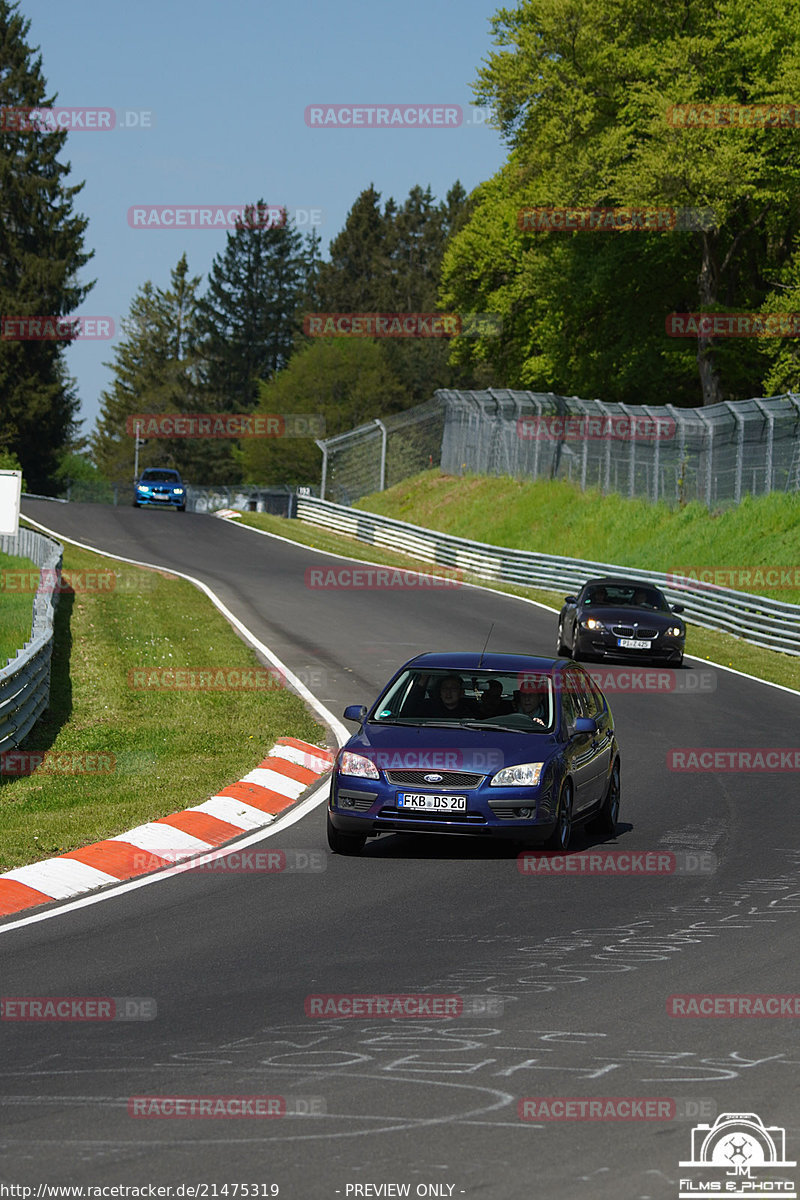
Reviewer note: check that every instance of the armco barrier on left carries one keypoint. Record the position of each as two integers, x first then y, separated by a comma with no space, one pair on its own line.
25,680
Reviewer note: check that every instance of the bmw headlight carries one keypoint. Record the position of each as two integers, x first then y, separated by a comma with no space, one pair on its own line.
141,487
357,765
522,775
178,491
592,623
674,631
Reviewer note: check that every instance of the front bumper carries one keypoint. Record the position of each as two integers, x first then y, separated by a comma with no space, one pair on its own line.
160,499
369,807
663,649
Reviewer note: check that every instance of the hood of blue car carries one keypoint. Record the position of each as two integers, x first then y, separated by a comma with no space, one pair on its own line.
434,748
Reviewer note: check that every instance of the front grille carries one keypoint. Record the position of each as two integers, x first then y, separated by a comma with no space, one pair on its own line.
449,779
450,818
506,814
630,631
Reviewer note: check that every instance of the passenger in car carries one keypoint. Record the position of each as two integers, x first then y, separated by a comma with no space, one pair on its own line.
448,700
492,703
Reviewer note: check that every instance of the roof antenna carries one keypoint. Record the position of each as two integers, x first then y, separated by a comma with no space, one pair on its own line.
486,643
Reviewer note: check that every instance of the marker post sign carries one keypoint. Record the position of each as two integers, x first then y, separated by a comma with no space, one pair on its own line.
10,495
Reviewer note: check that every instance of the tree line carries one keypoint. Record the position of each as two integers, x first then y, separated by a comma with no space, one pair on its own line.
585,97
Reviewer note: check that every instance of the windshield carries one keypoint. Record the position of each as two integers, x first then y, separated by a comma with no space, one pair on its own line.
622,595
153,475
516,700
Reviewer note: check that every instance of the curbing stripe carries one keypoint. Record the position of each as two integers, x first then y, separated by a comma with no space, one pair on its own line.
275,781
61,877
245,815
15,896
290,768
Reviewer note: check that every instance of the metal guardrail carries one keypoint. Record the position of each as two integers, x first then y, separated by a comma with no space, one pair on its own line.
773,624
25,680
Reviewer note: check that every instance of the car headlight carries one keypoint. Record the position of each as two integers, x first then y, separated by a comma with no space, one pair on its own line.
522,775
592,623
356,764
141,487
674,631
178,491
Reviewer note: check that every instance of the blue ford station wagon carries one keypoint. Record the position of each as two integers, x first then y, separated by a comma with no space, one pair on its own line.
499,745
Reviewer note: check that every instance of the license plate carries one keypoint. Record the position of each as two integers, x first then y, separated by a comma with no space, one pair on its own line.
420,800
633,643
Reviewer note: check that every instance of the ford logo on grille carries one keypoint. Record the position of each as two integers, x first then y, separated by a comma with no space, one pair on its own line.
432,778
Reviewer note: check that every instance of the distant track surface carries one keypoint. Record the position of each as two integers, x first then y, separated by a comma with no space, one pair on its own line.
583,965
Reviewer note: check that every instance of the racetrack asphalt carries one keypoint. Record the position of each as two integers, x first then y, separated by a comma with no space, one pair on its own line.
574,972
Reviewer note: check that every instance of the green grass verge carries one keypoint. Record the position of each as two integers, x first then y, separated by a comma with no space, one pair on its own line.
16,604
171,749
469,508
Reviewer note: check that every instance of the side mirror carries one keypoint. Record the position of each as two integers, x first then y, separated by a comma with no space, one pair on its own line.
585,725
570,599
355,712
677,608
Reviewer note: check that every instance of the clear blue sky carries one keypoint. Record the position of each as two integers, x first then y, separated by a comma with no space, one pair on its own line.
228,84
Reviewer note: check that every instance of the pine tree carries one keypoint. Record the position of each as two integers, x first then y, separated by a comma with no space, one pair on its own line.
250,313
157,370
41,253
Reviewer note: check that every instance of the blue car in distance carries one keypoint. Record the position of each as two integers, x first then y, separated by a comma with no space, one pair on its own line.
488,745
160,486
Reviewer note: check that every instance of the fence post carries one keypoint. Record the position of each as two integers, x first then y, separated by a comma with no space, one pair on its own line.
324,448
382,427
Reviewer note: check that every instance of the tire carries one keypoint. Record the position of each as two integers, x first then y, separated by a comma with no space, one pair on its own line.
136,504
344,843
561,649
605,822
562,834
181,508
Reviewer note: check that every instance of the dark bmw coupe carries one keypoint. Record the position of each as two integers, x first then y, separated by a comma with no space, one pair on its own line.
621,618
498,745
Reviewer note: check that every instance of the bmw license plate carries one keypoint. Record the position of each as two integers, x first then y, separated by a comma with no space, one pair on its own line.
420,800
634,643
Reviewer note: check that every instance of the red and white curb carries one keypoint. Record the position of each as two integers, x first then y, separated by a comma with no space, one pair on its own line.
253,802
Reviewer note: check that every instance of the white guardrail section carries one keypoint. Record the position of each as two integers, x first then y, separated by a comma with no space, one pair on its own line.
773,624
25,681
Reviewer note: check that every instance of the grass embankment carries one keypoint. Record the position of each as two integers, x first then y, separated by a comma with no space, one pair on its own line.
556,517
16,604
170,749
